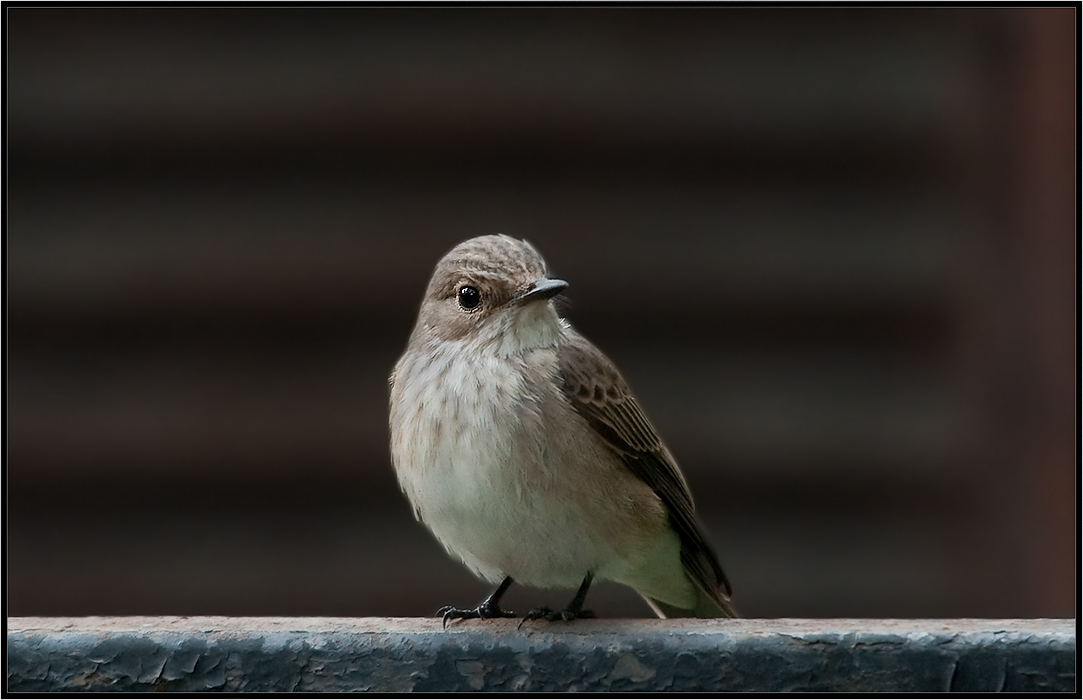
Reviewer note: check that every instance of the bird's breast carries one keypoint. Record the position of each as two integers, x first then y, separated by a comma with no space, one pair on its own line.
500,468
474,456
458,426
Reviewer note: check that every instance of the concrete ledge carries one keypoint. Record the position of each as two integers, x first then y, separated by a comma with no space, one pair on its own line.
403,654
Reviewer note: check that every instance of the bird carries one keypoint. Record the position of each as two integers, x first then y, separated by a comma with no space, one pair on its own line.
524,451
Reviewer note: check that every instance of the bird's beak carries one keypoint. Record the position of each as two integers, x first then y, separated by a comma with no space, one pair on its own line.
543,289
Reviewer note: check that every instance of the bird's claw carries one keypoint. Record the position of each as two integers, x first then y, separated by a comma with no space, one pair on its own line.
450,612
555,615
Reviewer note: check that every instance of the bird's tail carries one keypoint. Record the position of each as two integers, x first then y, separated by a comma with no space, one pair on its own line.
707,606
703,571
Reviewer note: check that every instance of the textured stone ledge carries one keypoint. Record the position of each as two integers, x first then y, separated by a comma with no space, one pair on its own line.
401,654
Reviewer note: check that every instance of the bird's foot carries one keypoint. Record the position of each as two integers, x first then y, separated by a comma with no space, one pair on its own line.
555,615
483,611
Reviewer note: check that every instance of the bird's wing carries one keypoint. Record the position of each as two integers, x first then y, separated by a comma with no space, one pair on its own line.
598,392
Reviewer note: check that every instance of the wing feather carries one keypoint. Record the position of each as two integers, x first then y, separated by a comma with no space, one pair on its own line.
603,398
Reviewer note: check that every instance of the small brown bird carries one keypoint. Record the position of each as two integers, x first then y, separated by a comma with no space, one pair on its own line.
523,450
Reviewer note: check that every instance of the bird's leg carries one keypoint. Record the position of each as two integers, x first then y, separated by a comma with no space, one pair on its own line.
573,611
490,607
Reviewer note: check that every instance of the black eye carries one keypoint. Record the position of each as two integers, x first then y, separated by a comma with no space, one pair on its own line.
469,297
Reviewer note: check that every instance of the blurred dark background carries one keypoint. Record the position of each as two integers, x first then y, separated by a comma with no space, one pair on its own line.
833,251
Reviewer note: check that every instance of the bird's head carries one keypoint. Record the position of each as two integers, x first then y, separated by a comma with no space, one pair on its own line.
493,293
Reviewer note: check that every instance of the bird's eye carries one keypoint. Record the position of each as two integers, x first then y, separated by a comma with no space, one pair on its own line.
469,297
